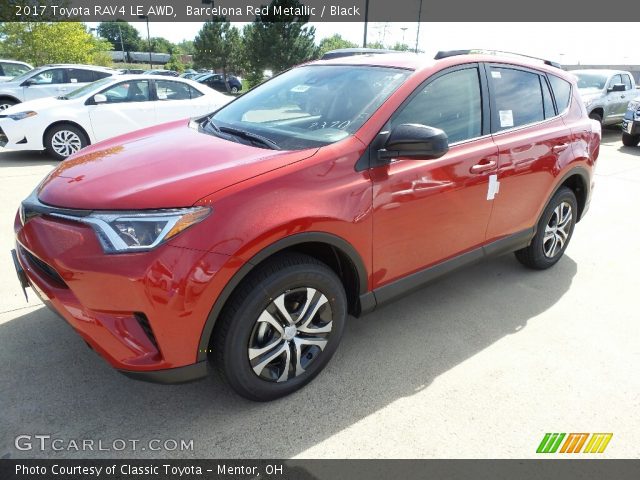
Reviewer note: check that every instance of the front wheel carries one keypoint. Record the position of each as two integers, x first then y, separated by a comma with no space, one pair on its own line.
280,328
553,233
64,140
630,140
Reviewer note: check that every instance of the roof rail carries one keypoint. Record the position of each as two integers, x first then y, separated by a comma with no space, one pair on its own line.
453,53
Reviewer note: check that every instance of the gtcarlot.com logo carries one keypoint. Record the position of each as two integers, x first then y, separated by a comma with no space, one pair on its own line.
574,443
45,443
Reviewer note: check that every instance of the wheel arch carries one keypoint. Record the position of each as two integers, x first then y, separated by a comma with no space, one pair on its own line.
334,251
65,122
578,180
4,96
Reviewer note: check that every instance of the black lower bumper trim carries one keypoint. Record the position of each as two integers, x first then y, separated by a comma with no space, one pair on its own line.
188,373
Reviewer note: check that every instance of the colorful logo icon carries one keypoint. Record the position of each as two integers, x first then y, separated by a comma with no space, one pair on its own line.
574,442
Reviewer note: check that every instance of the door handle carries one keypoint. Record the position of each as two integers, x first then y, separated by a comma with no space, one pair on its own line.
483,166
560,148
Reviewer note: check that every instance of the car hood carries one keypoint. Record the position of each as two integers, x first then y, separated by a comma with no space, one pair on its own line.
35,105
166,166
590,92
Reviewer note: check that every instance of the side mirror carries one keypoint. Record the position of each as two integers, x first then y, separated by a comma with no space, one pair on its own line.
412,140
28,82
99,98
617,87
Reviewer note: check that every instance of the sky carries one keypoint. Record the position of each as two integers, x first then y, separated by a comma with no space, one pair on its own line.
566,43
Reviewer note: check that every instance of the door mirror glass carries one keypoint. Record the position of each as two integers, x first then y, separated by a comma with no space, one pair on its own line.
618,87
100,98
412,140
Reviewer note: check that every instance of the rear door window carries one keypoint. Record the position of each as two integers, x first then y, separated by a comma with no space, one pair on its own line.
80,75
627,82
549,110
518,97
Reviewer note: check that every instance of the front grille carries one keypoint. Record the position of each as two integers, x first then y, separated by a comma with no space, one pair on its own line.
144,323
44,267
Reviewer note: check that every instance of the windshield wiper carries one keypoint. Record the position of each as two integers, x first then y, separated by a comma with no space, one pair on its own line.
250,136
62,97
240,133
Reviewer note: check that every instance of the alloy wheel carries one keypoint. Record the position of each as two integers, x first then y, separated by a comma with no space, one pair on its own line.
557,231
290,334
65,142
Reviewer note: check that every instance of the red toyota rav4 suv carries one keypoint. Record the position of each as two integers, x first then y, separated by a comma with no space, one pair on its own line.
249,235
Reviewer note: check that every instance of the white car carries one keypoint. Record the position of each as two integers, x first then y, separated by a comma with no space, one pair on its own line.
49,81
12,68
103,109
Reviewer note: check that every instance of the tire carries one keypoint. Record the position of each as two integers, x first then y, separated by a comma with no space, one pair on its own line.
6,103
64,139
630,140
234,89
256,348
597,117
553,233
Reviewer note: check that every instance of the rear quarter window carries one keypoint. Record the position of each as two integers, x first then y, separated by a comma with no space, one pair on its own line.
562,91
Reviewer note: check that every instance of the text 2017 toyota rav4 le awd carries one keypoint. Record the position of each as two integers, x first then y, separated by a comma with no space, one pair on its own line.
249,235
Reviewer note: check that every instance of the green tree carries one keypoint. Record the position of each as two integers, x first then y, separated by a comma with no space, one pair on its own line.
32,42
377,44
175,63
402,47
130,36
218,45
278,42
160,45
334,42
186,47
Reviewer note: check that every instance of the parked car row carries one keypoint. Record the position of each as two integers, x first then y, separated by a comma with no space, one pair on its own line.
612,98
113,105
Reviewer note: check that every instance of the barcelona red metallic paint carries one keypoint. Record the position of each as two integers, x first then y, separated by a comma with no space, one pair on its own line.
399,218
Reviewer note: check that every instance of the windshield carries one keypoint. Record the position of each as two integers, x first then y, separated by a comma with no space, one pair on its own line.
79,92
312,106
27,74
591,80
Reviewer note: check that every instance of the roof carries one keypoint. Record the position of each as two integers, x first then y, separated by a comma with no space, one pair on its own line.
606,72
14,61
78,65
418,61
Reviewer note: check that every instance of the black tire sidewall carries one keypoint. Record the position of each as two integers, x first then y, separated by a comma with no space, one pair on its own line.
629,140
84,141
562,195
237,368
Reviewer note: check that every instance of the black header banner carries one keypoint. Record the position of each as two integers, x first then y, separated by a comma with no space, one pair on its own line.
584,469
313,10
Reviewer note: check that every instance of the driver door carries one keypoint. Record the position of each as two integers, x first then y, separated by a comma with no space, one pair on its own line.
428,211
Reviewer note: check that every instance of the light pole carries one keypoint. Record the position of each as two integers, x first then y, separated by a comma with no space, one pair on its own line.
418,30
146,17
124,59
404,29
366,22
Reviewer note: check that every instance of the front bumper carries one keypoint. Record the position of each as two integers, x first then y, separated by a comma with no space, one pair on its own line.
144,312
20,135
632,127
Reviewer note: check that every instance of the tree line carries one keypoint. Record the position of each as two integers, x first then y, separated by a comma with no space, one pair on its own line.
271,42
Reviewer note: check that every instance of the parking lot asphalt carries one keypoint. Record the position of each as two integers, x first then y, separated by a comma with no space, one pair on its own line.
480,364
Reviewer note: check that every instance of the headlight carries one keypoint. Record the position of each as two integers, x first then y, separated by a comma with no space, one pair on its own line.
22,115
135,231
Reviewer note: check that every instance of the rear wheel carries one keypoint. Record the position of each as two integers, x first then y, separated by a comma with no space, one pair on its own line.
630,140
280,328
553,233
64,140
234,89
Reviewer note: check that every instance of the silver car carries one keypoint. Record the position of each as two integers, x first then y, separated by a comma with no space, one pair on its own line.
606,93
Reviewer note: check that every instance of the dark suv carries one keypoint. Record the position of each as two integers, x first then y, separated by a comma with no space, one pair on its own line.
248,236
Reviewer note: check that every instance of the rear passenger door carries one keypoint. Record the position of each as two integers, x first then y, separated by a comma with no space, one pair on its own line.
532,139
176,100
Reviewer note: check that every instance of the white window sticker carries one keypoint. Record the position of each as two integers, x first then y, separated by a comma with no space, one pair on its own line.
495,74
493,187
506,118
